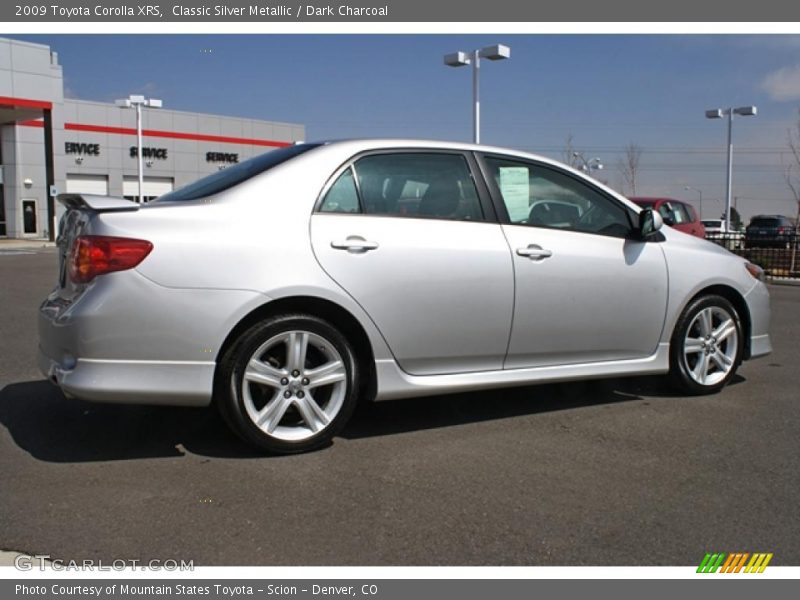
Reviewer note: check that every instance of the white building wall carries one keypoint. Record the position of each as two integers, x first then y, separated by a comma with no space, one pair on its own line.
31,71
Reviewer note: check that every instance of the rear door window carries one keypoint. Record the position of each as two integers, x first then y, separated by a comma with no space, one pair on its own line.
342,197
407,184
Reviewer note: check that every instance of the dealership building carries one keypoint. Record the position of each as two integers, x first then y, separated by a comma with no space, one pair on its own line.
50,144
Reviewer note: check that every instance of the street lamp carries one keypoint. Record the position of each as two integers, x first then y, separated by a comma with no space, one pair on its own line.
587,166
461,59
718,113
689,188
138,102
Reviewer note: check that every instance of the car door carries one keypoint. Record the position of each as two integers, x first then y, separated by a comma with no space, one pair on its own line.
586,289
408,235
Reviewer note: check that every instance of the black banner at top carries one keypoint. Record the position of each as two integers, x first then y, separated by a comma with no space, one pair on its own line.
393,11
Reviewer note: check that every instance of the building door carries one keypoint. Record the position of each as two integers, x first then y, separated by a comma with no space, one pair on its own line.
29,221
152,187
3,231
87,184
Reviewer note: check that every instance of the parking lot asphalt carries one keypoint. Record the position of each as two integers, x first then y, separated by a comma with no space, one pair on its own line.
614,472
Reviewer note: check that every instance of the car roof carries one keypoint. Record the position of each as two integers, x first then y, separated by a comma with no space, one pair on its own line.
388,143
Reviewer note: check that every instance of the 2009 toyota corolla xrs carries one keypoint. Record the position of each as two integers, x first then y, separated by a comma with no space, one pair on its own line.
290,286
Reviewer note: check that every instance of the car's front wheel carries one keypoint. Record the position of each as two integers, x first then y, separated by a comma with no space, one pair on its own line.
706,346
288,384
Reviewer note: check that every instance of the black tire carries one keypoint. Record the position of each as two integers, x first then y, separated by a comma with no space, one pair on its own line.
683,363
239,406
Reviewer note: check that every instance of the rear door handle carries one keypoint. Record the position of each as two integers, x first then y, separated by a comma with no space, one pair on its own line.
534,252
355,243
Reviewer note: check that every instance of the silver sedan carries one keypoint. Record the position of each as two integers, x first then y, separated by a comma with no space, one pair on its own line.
289,287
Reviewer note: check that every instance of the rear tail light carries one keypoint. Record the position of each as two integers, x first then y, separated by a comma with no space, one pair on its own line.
781,230
754,270
94,255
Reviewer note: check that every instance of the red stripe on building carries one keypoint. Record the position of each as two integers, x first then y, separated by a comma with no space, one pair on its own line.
176,135
7,101
32,123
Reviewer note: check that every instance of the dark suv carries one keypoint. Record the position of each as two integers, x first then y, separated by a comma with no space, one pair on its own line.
774,231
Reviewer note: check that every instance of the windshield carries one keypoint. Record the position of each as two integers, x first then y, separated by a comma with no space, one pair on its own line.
712,223
227,178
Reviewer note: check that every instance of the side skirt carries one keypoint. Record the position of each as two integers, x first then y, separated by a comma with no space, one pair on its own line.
394,383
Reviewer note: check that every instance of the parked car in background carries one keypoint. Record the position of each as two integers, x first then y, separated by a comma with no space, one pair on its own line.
676,213
717,231
714,226
773,231
291,286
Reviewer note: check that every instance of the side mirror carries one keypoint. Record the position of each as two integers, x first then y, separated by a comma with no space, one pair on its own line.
650,222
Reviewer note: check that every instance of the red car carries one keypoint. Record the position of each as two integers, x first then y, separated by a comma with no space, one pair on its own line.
676,213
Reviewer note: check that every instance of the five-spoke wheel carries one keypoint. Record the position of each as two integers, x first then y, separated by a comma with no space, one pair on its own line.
290,383
706,345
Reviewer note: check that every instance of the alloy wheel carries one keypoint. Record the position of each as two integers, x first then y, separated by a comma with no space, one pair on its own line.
294,385
710,346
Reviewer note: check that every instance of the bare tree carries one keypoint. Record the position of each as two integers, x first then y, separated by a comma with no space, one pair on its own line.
629,167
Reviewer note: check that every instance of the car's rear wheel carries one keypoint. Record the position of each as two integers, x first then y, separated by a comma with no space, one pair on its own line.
706,346
288,384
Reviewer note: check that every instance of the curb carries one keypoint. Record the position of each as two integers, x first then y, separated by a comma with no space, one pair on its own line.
25,244
783,281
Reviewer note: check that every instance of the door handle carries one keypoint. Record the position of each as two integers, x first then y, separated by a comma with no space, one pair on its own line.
355,243
534,252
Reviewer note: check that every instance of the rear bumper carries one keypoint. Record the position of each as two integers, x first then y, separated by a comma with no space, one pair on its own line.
129,340
170,383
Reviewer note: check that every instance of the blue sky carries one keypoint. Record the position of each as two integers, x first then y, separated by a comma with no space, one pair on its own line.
605,90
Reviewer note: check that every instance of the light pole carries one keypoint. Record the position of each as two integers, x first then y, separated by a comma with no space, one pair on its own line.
138,102
460,59
587,166
700,192
718,113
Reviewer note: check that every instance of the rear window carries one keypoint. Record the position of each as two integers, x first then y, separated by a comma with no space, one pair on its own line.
227,178
765,222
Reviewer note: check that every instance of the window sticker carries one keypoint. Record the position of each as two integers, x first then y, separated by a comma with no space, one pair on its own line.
515,187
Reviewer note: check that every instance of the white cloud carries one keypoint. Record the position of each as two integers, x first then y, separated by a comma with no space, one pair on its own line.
784,84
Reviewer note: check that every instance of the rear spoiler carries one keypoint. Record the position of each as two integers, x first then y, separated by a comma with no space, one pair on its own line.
97,203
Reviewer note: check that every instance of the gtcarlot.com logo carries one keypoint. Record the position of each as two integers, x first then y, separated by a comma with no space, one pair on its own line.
734,562
44,562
